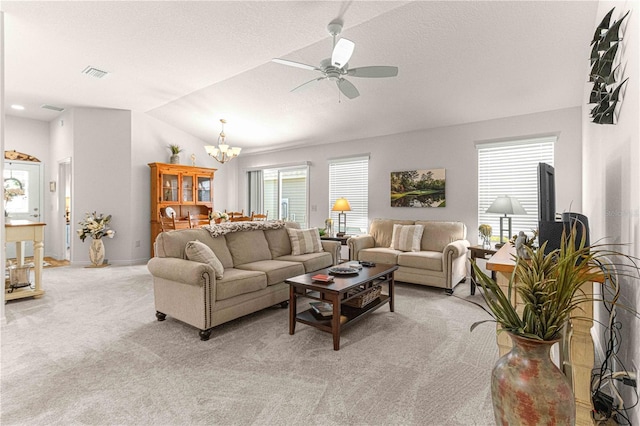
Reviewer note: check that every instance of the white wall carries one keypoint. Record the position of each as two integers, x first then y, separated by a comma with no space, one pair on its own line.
452,148
102,177
611,188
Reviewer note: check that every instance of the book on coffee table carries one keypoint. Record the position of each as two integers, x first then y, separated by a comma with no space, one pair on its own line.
322,309
322,278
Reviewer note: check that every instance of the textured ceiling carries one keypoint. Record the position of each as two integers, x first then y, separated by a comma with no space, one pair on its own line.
192,63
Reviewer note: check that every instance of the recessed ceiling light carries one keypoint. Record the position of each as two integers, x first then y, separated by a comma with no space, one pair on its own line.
18,107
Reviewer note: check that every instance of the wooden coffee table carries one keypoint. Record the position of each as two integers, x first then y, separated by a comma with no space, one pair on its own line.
342,289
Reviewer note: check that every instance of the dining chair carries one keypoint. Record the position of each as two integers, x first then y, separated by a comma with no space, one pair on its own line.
259,217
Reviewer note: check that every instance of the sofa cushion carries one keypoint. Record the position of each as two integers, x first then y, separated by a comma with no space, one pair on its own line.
304,241
382,230
237,281
248,246
406,237
437,234
200,252
379,255
279,242
311,261
173,243
277,270
431,260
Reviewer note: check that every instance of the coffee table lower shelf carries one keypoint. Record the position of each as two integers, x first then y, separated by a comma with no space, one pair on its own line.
348,315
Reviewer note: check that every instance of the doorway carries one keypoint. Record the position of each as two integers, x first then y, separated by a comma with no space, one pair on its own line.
64,201
23,179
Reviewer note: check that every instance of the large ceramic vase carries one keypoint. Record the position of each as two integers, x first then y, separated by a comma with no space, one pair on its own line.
528,389
96,252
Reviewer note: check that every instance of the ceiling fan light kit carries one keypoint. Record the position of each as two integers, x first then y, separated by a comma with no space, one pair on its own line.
337,67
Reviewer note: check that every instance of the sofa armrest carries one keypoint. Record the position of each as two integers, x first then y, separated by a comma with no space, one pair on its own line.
332,247
454,262
358,243
456,249
181,270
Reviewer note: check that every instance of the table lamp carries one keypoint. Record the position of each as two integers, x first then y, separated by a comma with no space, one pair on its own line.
341,205
505,205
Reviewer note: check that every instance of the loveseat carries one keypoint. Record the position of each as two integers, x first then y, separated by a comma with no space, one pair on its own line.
250,262
436,258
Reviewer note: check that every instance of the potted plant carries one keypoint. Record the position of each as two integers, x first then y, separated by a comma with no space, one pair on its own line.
485,233
175,151
549,287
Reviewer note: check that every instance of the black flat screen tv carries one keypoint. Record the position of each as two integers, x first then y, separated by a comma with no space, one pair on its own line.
546,193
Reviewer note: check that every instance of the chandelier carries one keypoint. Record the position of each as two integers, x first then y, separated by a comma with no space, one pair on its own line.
222,153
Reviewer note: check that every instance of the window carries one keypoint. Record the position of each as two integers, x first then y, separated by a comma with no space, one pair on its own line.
511,168
349,178
282,193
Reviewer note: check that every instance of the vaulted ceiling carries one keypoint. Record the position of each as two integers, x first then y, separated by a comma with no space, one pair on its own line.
191,63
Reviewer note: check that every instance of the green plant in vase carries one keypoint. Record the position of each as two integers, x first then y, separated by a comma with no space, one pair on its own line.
175,151
550,294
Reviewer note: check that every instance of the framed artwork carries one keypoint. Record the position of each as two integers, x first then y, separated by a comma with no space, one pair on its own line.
418,188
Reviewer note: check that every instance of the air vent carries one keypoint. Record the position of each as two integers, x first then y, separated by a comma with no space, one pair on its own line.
94,72
52,107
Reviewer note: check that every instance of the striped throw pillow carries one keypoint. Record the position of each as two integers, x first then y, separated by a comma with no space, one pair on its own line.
406,237
304,241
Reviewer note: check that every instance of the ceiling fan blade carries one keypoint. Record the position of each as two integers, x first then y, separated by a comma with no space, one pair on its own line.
307,84
373,72
348,89
342,52
294,64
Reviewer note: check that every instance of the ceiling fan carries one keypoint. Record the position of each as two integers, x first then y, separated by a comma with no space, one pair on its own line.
336,67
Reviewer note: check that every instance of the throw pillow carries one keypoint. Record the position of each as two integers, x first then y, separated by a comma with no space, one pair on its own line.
407,237
200,252
304,241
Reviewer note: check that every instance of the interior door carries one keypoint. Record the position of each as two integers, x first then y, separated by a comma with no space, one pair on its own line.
25,176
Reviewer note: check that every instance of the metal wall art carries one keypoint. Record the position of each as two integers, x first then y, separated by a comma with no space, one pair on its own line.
418,188
606,72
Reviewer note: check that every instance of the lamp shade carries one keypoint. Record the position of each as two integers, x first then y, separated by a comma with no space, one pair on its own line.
341,205
506,205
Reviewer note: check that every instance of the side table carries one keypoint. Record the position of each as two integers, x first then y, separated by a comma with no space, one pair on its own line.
480,252
343,241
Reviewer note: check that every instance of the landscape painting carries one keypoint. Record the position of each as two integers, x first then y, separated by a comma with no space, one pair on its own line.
418,188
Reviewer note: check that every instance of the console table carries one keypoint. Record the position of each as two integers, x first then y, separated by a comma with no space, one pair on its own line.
576,350
19,231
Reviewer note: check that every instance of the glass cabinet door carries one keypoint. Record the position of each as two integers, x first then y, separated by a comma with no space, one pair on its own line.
204,189
169,188
187,188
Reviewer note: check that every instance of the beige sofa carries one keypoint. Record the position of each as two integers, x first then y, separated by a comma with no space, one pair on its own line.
440,262
256,262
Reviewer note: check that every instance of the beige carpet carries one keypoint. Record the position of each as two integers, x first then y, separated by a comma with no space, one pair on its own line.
90,352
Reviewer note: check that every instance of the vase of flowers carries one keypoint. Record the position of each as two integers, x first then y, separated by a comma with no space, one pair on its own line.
549,292
96,226
485,234
175,151
218,216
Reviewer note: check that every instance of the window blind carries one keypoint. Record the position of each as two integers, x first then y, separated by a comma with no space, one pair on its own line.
349,178
511,168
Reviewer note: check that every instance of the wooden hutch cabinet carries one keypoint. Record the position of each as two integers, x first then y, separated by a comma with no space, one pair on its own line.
188,190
